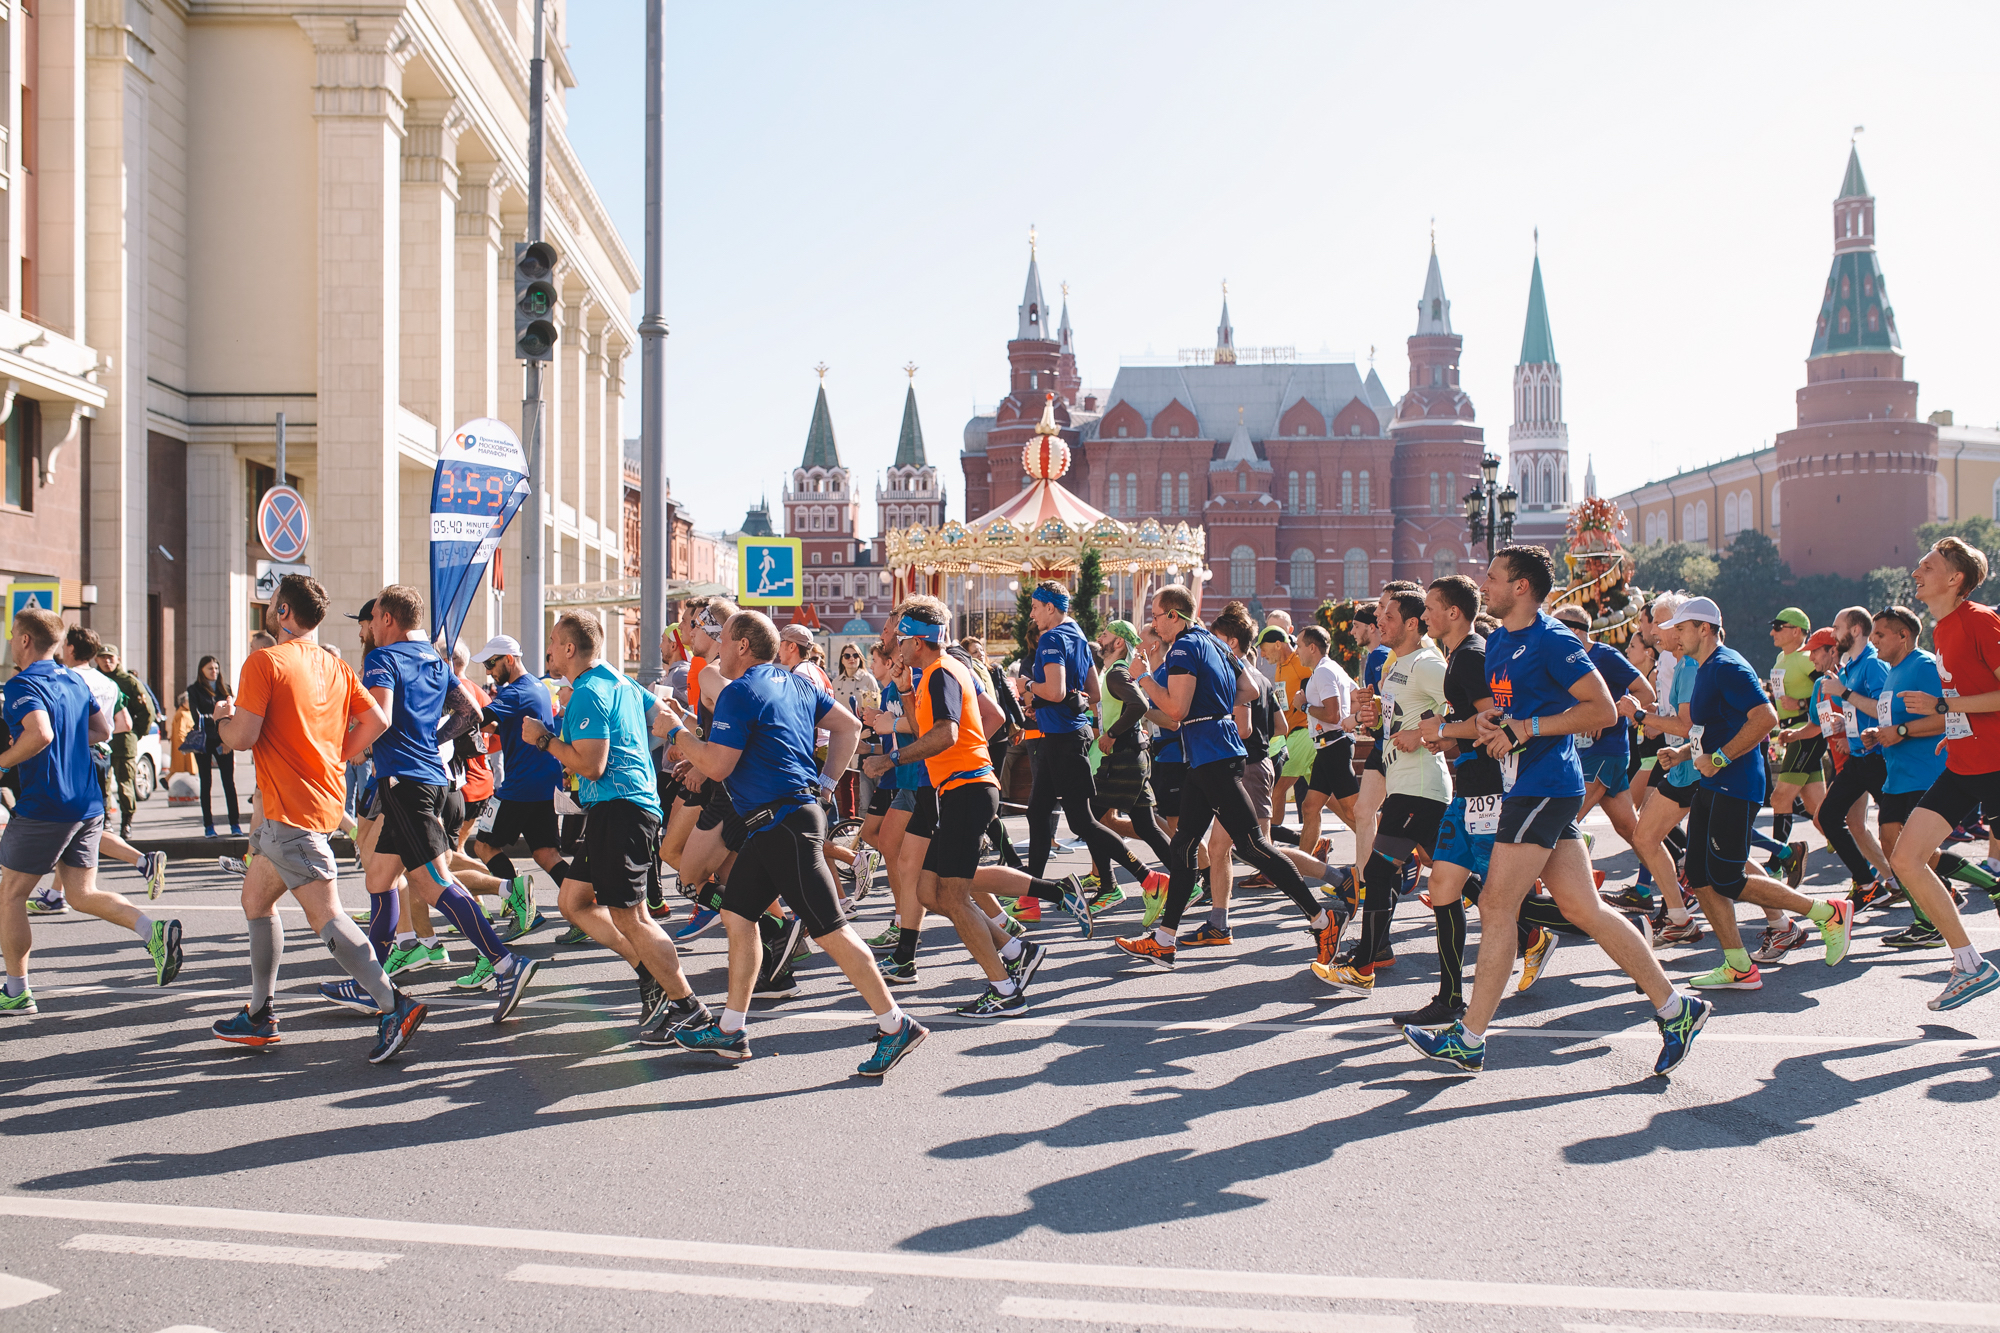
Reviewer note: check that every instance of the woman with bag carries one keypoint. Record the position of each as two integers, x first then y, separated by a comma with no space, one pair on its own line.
207,687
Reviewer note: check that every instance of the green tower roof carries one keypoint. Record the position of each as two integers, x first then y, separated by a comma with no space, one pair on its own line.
1855,314
1854,185
820,449
1538,345
910,444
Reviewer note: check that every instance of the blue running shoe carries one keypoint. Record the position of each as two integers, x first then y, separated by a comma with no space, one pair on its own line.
350,995
510,982
1453,1045
698,924
1077,905
891,1047
397,1027
247,1029
729,1045
1677,1034
1965,986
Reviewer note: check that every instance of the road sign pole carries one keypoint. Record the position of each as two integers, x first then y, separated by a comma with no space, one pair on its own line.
654,516
281,451
533,574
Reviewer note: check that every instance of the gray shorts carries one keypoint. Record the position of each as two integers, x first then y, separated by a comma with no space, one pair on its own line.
300,856
35,846
1257,779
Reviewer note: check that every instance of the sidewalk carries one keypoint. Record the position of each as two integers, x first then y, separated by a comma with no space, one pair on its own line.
177,831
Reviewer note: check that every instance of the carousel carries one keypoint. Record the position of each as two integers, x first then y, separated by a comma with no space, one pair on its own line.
978,568
1600,572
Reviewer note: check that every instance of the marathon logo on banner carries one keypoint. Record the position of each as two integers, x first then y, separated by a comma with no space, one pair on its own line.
482,479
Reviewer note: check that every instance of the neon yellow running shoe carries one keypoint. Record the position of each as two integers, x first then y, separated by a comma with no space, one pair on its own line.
479,978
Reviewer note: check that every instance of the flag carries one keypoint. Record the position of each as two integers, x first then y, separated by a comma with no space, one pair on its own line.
482,478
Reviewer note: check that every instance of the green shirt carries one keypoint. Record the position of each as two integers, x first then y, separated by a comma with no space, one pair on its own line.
1792,677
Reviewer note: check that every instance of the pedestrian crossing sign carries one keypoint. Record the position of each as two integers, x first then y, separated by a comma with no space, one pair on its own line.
24,596
767,571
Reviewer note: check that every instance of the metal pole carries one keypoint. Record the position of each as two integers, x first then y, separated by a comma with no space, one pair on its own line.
533,575
655,517
281,449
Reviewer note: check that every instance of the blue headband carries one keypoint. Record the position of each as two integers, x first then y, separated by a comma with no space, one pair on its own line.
920,629
1054,597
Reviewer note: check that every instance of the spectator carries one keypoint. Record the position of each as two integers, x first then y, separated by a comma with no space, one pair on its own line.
177,731
125,744
209,687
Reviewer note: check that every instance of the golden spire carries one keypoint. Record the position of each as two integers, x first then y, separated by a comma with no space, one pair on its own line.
1047,425
1031,240
822,368
1434,233
1065,291
911,370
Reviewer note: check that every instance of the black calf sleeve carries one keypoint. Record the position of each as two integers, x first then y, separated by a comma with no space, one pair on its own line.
500,866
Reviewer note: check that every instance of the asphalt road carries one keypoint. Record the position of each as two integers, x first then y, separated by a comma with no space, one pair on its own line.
1230,1145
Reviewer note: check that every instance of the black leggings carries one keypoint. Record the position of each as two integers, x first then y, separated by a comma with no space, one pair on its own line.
224,767
1062,776
1143,824
1214,791
1860,777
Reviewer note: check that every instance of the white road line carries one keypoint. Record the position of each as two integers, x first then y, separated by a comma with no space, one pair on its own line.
188,1328
173,1247
1022,1272
19,1291
691,1284
1638,1328
1202,1316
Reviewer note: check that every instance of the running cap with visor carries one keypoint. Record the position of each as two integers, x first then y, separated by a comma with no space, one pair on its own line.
367,611
500,645
1696,608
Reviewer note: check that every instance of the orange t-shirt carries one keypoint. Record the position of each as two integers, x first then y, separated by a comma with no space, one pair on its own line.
307,697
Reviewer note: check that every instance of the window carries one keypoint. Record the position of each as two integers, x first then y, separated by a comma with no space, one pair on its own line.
1451,496
1845,322
1184,493
1730,514
815,521
1347,492
1434,492
1132,493
1355,430
1242,480
1174,431
21,456
1302,430
840,557
1444,560
1701,520
1292,493
1364,493
1354,574
1034,380
1242,572
1123,432
1874,320
1166,493
1111,497
1305,575
1312,493
1746,509
1548,483
1687,523
1846,290
815,557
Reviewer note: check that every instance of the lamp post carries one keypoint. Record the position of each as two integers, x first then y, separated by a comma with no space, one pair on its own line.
1489,510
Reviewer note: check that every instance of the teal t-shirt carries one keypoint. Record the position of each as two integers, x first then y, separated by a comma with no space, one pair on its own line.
603,705
1682,691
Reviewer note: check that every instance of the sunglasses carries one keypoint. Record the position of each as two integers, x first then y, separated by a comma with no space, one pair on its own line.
492,662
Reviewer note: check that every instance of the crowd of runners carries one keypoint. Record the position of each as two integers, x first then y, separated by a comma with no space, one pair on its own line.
1486,729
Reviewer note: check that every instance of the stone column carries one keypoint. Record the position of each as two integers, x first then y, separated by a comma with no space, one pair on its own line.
358,103
429,278
483,321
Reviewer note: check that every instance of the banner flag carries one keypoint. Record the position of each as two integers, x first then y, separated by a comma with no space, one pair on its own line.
482,478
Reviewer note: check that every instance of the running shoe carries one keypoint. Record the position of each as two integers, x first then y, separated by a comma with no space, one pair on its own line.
886,940
1328,937
659,911
405,957
1965,986
520,902
1779,941
1198,892
1260,880
1677,1034
1875,893
479,978
510,983
781,943
208,831
153,869
1322,848
1535,960
165,947
349,994
678,1016
24,1003
1015,930
780,985
44,903
652,996
1155,904
232,865
1726,977
1150,949
1023,965
1028,911
1439,1013
1343,977
393,1033
1090,881
235,830
1106,899
1077,905
1917,935
1589,840
729,1045
1629,899
1156,881
891,1047
1665,932
1835,930
1991,865
436,955
247,1029
698,925
1453,1045
1411,872
1795,865
898,974
992,1004
1208,936
866,861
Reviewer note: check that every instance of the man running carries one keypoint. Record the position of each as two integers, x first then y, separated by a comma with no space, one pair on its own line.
54,720
1799,777
1545,692
1606,783
1289,669
523,804
1329,696
302,714
1910,753
1856,691
141,715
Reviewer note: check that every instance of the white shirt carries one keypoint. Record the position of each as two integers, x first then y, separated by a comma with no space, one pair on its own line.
102,688
1663,683
1413,689
1328,681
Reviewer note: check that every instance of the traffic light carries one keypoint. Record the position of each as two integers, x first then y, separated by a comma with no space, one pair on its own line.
534,301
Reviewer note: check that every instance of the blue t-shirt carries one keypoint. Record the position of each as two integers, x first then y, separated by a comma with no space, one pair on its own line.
1371,676
603,705
770,714
420,678
1863,676
1726,691
1170,750
1063,646
1209,730
532,775
907,777
1529,672
1614,742
59,785
1914,764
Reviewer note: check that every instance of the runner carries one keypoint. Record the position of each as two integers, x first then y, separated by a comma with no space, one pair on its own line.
1798,777
1546,691
1856,691
523,805
1659,843
1329,697
1371,788
1821,723
1607,784
1124,777
57,817
1256,722
761,750
302,714
1290,670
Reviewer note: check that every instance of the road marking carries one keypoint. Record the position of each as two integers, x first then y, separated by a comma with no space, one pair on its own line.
691,1284
173,1247
188,1328
19,1291
1202,1316
1636,1328
1021,1272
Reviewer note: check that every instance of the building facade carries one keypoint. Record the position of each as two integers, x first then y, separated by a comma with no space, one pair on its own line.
842,574
1538,441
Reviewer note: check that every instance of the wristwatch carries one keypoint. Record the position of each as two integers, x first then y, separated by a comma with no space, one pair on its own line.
1943,706
1903,731
1719,759
542,742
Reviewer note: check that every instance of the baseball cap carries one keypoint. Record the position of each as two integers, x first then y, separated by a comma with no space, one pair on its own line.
798,634
1123,629
1822,638
367,611
500,645
1696,608
1274,634
108,650
1794,617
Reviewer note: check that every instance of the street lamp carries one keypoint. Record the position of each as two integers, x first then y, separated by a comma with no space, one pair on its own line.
1489,511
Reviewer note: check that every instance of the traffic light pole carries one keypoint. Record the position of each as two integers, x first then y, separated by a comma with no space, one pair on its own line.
533,575
654,516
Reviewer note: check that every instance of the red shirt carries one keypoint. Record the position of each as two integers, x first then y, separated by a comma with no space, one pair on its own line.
478,777
1968,644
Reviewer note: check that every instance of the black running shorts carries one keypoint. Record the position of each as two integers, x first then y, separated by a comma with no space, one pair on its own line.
532,821
1896,807
619,853
787,860
1719,841
1407,822
1541,820
411,828
1333,770
962,816
924,819
1956,795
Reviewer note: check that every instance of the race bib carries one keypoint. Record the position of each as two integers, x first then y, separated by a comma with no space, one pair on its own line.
1777,682
1885,709
1284,697
1482,814
1852,716
1827,712
1957,726
488,813
1694,741
1510,769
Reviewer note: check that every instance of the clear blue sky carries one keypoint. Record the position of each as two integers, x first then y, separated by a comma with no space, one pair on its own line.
854,183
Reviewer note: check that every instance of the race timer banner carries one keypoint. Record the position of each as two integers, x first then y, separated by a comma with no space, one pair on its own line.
482,478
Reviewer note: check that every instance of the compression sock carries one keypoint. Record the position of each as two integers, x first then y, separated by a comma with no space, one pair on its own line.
464,912
1537,910
1218,919
267,946
1738,958
1643,882
1781,827
1767,844
1952,866
143,928
1286,834
383,911
906,944
1378,905
351,950
500,866
1044,888
1451,951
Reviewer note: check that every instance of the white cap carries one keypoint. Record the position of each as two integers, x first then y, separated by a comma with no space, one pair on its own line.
1695,608
500,645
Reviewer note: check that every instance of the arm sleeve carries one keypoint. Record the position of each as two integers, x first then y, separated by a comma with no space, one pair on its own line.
1118,684
947,697
730,727
461,712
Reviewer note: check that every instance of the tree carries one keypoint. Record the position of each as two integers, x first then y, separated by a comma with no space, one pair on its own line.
1674,567
1025,632
1089,587
1751,585
1978,531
